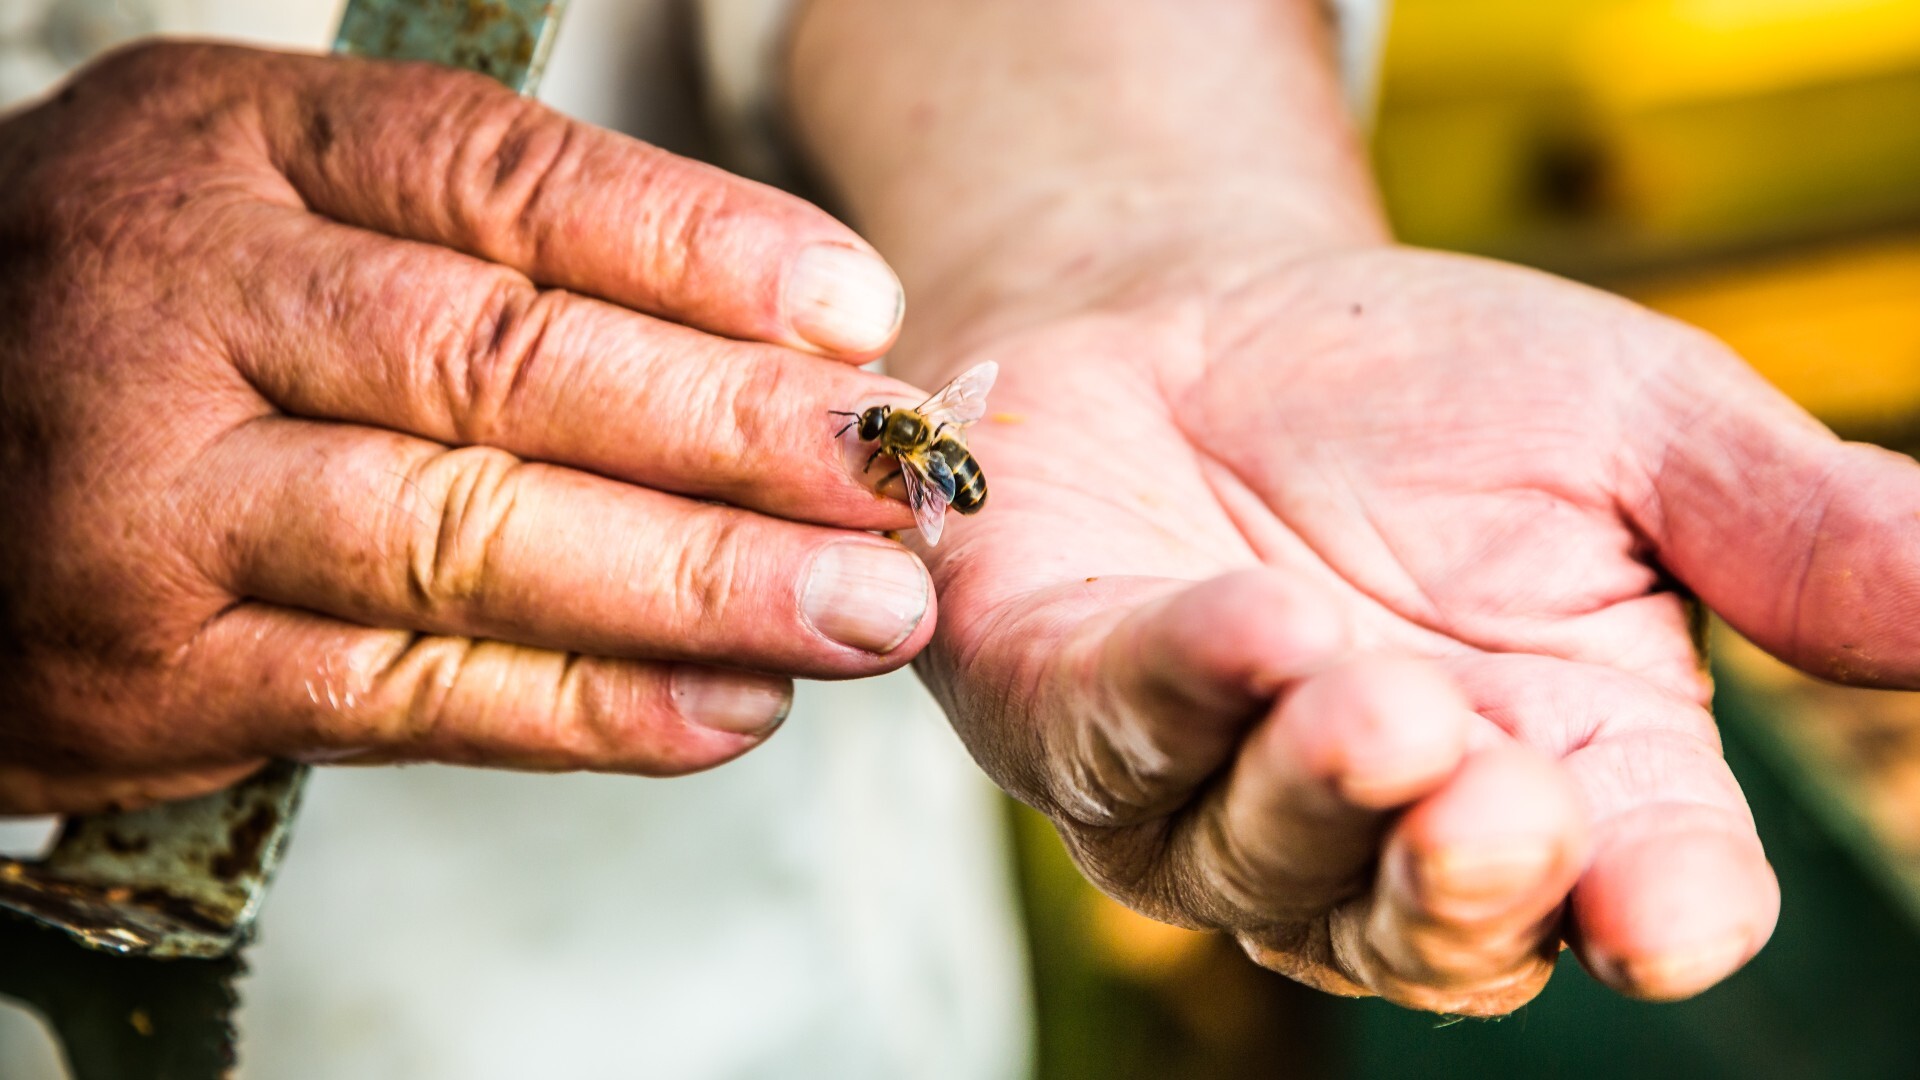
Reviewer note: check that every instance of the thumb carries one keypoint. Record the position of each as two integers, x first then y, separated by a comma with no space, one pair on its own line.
1807,545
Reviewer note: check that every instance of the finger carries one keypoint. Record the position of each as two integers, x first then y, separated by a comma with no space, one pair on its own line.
1140,709
1464,915
25,789
270,681
387,530
1678,894
418,339
1296,825
1808,546
455,159
1678,898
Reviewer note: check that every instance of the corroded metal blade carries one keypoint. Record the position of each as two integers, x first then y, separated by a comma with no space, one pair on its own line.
507,39
178,880
123,1017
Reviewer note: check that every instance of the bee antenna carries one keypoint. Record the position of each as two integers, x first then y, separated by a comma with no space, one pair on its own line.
845,429
841,412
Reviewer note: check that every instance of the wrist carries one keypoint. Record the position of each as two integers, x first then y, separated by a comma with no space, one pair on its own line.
1115,243
997,151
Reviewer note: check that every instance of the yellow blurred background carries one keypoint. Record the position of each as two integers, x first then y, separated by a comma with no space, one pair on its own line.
1752,166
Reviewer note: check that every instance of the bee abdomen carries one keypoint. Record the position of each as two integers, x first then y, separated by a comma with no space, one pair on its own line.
969,483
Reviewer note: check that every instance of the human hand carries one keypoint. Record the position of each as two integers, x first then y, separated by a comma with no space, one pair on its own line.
331,429
1329,599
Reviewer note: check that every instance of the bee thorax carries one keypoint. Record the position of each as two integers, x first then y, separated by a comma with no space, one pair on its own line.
905,430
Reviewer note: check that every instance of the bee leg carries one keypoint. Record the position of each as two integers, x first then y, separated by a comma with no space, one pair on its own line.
870,459
882,485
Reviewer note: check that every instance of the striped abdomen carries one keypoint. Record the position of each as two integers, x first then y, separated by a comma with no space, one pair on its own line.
969,483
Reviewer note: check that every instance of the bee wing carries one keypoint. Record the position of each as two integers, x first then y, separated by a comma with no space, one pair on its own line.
940,472
927,498
964,400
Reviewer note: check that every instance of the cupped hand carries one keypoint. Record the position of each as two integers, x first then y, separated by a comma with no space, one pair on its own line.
1336,601
360,409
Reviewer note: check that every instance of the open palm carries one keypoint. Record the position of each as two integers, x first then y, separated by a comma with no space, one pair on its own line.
1338,603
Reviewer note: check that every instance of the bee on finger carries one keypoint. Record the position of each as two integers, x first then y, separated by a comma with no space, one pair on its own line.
929,444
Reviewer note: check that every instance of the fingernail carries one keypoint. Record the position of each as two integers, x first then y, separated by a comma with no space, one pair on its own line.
868,596
736,702
1493,870
843,299
1686,972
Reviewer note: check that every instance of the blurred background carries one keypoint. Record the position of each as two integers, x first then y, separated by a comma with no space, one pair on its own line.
1752,167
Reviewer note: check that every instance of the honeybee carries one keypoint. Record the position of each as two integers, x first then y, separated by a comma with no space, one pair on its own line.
930,445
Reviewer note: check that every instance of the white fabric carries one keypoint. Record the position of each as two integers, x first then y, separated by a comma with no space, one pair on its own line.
836,904
1363,37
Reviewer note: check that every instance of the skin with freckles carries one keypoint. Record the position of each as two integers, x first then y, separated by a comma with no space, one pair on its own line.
1331,595
368,411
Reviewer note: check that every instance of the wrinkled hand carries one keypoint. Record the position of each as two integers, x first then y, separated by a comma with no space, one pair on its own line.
328,427
1331,602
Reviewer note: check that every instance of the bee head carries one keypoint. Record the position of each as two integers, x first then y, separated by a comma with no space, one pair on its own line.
873,422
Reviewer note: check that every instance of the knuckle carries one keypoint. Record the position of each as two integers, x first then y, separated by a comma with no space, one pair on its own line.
1261,878
1483,969
483,359
1084,799
684,209
710,573
1118,774
509,154
1237,878
744,413
343,684
441,664
1114,769
454,551
733,422
396,692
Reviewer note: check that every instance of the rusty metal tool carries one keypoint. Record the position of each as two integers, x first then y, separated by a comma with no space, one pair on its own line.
179,880
126,936
507,39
